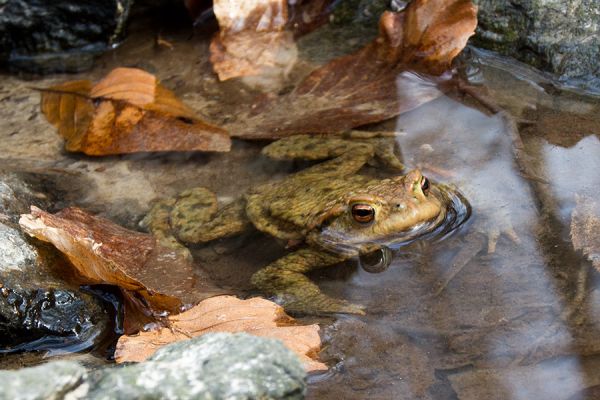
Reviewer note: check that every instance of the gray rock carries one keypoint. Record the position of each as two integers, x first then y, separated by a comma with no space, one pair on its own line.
38,310
560,36
50,381
213,366
61,35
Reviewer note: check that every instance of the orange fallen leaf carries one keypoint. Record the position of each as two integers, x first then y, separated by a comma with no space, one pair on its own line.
255,316
155,278
253,41
126,112
399,71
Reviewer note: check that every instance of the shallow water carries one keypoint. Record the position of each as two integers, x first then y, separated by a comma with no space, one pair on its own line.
448,319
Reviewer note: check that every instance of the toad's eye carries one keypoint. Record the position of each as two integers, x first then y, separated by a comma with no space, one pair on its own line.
363,213
425,186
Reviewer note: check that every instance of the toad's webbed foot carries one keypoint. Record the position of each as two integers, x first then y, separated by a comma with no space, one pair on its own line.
304,303
496,225
495,233
286,280
385,146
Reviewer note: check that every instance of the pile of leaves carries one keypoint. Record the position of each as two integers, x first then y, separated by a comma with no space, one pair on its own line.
406,66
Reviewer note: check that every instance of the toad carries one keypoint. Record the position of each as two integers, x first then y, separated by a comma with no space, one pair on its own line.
328,212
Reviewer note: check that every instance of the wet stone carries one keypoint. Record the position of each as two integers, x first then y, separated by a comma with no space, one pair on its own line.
53,380
64,35
559,36
38,310
213,366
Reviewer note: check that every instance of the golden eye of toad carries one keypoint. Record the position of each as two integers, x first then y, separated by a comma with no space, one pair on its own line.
363,213
425,186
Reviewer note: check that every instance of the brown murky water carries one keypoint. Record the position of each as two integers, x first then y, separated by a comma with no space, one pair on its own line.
448,319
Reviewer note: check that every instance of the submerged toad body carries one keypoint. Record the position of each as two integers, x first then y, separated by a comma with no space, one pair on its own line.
328,209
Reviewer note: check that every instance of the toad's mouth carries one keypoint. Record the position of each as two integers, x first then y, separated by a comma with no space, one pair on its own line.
456,212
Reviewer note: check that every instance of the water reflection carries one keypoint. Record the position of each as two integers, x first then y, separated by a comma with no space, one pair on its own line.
501,326
376,261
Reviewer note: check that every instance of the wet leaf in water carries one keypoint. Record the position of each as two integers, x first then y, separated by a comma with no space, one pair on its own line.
253,41
256,316
585,228
397,72
128,111
155,278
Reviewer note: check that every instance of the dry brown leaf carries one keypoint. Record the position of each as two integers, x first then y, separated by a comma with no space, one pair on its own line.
585,228
399,71
255,316
252,41
155,278
126,112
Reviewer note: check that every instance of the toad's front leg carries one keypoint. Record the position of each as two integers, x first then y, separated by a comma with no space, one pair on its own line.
285,278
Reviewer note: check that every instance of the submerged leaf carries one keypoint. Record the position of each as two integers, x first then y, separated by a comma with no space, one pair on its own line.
397,72
153,276
585,228
128,111
253,41
256,316
69,108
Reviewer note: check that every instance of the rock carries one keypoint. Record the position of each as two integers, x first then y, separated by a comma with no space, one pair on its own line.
213,366
38,310
559,36
54,380
63,35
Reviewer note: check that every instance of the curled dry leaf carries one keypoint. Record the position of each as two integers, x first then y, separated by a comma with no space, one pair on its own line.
255,316
585,228
128,111
399,71
252,41
155,278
